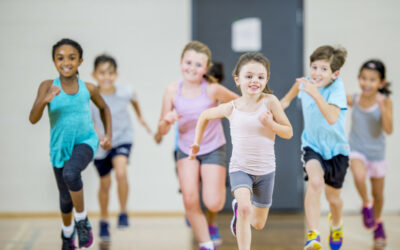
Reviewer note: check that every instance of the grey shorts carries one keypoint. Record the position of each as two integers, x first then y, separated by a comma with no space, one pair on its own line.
261,187
218,156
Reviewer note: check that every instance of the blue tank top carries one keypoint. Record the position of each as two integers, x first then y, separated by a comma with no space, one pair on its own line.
70,123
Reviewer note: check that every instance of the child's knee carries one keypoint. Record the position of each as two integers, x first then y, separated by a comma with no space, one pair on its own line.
335,201
72,180
316,183
244,210
120,176
259,225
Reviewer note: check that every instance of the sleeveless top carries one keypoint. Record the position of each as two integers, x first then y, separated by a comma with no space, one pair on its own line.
191,108
252,151
70,123
122,127
366,133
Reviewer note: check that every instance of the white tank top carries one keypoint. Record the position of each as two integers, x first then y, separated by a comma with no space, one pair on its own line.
253,152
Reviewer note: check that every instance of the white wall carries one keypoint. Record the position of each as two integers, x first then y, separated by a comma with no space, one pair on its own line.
146,37
367,29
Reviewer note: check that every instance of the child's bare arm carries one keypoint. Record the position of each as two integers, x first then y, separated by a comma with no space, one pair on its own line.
349,99
290,95
105,115
278,121
167,116
136,107
329,111
45,95
222,94
223,110
386,106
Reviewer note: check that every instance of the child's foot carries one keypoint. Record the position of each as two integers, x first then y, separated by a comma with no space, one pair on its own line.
68,243
104,233
214,234
335,236
85,235
234,218
379,236
368,216
123,220
313,241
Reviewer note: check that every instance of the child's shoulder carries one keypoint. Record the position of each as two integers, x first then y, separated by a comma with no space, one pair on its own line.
172,87
90,86
270,98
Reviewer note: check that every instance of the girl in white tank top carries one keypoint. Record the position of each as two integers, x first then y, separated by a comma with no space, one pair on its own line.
255,118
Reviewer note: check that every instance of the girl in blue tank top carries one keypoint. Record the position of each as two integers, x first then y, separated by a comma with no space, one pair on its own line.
371,119
73,140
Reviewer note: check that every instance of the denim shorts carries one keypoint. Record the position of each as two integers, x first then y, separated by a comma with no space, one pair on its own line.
217,157
260,186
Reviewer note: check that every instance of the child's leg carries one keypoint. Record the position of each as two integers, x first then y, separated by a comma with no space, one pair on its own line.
244,217
120,163
79,160
377,185
359,171
104,190
66,205
335,204
211,217
213,186
312,201
259,217
189,181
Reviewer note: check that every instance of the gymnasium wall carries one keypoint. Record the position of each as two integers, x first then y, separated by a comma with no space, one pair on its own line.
147,37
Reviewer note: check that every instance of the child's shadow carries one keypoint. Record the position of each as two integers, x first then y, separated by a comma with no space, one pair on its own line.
104,245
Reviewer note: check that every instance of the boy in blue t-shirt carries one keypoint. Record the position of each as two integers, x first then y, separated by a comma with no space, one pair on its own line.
323,141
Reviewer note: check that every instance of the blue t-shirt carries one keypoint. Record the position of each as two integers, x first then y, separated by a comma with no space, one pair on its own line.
325,139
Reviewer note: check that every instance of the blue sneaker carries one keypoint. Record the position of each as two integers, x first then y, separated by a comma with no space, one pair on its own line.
234,218
123,220
68,243
313,241
85,235
104,233
335,236
214,234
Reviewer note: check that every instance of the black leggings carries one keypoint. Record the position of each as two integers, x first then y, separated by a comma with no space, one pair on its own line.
69,177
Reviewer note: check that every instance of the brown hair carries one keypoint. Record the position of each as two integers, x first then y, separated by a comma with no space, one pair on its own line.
253,57
335,56
200,47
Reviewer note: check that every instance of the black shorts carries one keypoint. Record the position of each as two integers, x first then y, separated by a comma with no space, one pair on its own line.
104,166
334,169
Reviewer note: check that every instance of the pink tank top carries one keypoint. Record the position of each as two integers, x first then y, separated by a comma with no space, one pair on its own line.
252,151
191,108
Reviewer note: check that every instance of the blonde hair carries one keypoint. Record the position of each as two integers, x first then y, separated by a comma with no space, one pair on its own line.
200,47
253,57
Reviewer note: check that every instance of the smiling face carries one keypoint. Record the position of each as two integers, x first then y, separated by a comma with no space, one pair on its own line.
194,66
105,75
370,82
321,73
67,60
252,78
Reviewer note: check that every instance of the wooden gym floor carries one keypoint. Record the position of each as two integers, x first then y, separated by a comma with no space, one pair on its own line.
283,231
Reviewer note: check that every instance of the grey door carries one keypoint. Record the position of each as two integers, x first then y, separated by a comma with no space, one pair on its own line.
282,43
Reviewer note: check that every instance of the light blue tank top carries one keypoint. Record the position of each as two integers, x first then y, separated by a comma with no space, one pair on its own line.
366,133
70,123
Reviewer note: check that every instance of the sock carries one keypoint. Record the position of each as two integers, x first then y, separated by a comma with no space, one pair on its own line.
335,228
80,216
208,244
315,231
68,230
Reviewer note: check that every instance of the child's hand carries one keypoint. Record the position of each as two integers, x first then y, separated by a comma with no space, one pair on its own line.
158,137
267,119
51,93
171,117
144,124
309,87
106,142
194,149
380,98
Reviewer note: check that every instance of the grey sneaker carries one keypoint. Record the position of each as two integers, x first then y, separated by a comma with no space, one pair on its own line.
85,235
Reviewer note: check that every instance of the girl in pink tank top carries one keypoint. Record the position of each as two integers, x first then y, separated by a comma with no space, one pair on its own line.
255,119
183,102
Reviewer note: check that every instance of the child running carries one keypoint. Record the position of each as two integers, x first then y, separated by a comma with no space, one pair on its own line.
255,118
183,102
372,117
324,142
118,98
73,140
